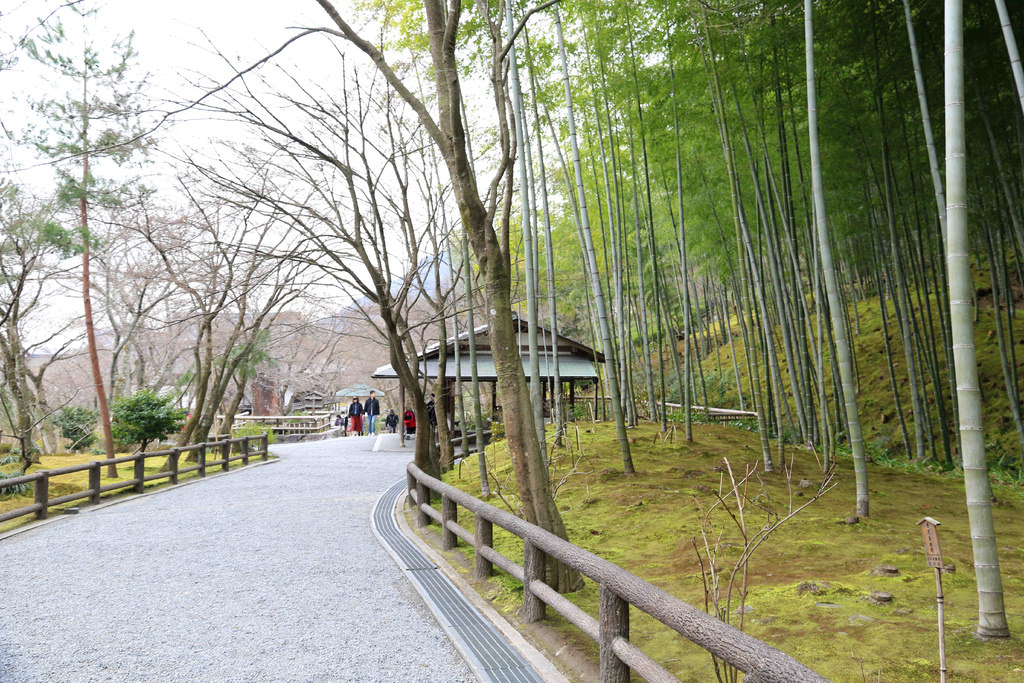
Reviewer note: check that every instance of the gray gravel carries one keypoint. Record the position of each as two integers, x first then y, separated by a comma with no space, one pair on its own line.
269,574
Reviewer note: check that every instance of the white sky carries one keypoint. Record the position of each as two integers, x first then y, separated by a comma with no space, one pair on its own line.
175,43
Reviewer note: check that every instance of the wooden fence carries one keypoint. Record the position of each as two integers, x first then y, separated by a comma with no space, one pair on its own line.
712,414
717,414
286,425
618,589
245,448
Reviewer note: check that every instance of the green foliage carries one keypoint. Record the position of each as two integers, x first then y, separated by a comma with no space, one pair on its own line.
9,472
145,416
254,429
76,424
94,112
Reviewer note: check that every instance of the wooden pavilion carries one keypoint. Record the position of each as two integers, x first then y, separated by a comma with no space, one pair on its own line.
576,363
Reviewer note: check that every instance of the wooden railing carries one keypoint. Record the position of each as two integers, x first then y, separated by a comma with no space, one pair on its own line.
286,425
245,448
717,414
470,437
618,589
711,414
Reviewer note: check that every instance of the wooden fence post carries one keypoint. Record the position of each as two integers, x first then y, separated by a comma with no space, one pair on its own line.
533,570
245,450
140,473
225,454
449,512
175,455
422,498
201,459
483,533
94,481
613,619
410,486
43,494
265,439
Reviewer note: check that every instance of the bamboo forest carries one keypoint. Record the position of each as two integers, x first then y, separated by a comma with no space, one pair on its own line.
722,293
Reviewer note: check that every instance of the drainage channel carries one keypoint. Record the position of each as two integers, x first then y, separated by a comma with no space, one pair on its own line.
486,649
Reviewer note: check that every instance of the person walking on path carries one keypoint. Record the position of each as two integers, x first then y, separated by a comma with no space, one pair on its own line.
355,416
372,411
391,421
409,419
432,412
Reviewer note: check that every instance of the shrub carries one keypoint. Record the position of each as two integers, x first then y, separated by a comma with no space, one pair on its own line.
254,429
144,417
76,424
18,489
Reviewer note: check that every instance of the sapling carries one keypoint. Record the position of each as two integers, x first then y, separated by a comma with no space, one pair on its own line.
733,498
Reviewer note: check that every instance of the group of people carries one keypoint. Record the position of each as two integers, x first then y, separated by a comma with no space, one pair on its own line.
361,418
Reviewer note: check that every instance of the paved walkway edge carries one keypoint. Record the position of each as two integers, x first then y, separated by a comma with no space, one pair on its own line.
127,497
542,668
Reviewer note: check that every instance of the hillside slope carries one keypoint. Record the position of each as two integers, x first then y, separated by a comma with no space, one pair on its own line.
809,585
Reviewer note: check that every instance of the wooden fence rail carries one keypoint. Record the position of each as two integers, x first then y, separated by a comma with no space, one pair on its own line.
618,589
287,425
245,447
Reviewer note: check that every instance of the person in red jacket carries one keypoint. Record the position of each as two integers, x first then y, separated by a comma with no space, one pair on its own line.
409,420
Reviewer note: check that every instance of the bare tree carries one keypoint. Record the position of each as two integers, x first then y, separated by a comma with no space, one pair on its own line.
131,285
30,263
481,206
217,258
351,178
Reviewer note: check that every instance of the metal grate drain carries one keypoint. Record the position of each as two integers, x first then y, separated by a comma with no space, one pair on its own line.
491,654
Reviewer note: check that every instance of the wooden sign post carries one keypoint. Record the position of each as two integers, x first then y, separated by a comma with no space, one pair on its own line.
933,556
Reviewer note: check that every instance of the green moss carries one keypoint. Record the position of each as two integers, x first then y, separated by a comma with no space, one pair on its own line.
647,523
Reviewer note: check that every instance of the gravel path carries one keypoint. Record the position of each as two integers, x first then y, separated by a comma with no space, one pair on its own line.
269,574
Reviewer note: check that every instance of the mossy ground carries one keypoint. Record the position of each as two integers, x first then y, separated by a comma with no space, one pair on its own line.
645,523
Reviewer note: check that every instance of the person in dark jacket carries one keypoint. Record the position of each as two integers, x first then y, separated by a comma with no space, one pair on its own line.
432,411
371,409
355,416
391,421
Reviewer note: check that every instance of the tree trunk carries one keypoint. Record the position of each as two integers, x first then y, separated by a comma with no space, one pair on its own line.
595,280
526,209
478,419
991,612
846,391
90,329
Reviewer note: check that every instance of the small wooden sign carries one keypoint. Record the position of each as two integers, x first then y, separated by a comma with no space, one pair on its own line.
932,553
